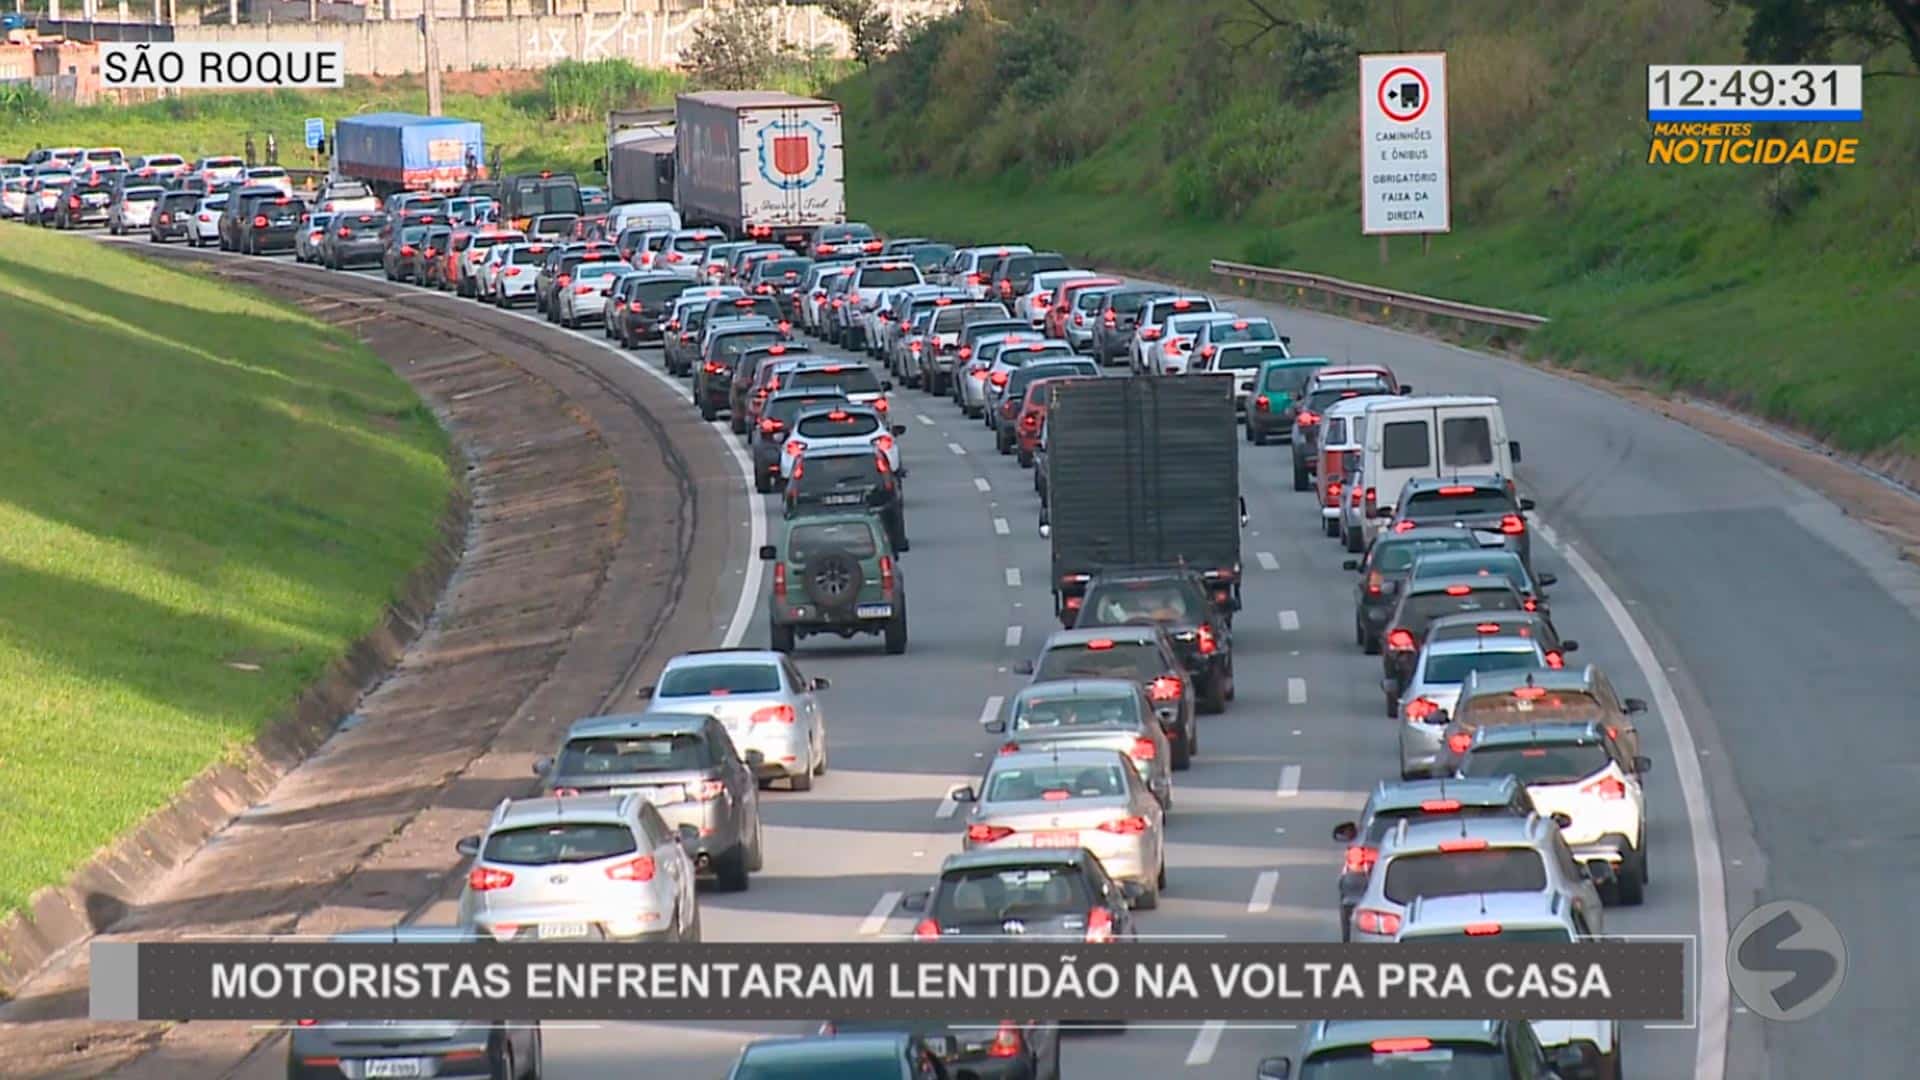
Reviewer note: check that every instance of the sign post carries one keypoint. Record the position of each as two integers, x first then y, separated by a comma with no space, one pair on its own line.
1405,172
316,130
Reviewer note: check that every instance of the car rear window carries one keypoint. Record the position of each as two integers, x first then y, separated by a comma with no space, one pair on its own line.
1527,705
1466,441
629,754
1435,1062
853,538
1138,661
1289,379
1028,265
837,472
1557,763
1126,303
1248,359
1074,711
728,347
1031,371
654,293
1324,396
700,680
883,277
569,842
1405,444
527,255
1483,563
1459,873
838,425
1056,782
1453,667
179,200
143,196
784,269
996,893
1423,608
1393,556
784,407
690,244
1159,601
763,306
830,233
850,378
1442,503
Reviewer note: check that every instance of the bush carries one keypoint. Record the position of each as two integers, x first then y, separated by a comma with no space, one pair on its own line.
576,90
21,102
1037,57
732,49
1318,60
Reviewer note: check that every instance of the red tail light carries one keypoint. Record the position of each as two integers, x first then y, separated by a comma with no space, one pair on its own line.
1459,590
1263,403
1360,860
1127,826
1099,926
511,271
639,869
582,290
1110,318
927,930
1006,1042
344,233
1151,333
1405,526
1164,688
73,201
1513,525
1556,661
780,581
1143,750
1400,1046
565,792
1609,788
1457,489
1333,493
884,443
998,378
707,790
406,249
714,367
1465,843
880,405
1207,641
979,833
965,351
773,714
1031,420
1373,583
1400,641
1009,748
769,425
1369,921
486,879
636,307
1422,709
1459,742
1308,418
886,575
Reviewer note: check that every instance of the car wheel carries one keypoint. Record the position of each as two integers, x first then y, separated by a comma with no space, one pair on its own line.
1026,459
1213,699
707,411
896,634
692,933
1150,898
782,638
738,423
758,860
820,762
504,1067
1300,476
802,780
1359,634
1393,707
1002,441
1330,526
762,482
1182,754
1630,881
1351,538
732,871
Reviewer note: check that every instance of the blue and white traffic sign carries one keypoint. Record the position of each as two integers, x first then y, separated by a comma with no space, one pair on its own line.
316,131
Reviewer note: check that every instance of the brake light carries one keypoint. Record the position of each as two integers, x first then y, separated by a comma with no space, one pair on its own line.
1609,788
769,425
1207,641
1333,493
1422,709
1360,859
1151,333
486,879
1006,1042
1099,926
1440,806
880,405
714,367
1530,693
773,714
73,201
965,351
1110,317
707,790
1400,1046
1459,742
1032,420
1529,604
1513,525
1056,795
926,930
1164,688
1369,921
1263,403
780,581
1143,750
1457,489
883,443
998,378
1182,305
1464,843
1459,590
1405,526
1555,661
1308,418
795,446
344,233
640,869
886,575
1126,826
1400,641
1009,748
406,249
979,833
1373,583
1099,645
582,290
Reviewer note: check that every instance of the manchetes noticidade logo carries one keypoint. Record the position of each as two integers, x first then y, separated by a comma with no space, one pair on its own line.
1696,143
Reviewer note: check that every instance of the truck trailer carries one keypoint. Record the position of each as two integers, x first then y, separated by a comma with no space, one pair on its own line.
760,164
393,152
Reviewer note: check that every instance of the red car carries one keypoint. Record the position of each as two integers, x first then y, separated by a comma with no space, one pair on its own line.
1033,416
1061,304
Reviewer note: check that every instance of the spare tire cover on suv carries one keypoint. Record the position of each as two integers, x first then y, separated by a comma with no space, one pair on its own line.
834,580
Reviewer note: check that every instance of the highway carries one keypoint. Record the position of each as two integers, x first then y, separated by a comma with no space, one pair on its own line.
1741,604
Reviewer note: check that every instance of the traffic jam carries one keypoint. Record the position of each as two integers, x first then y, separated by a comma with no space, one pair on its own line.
1151,454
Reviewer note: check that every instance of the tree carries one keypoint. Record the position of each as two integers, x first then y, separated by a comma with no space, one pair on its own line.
732,48
1803,31
869,29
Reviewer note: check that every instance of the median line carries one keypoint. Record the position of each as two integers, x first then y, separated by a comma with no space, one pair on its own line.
1289,783
1263,889
1205,1042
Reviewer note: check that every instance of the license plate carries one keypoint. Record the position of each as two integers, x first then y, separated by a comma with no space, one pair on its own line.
874,611
1056,839
843,500
373,1067
659,796
552,930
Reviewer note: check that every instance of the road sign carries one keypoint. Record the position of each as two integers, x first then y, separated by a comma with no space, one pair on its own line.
1404,172
316,131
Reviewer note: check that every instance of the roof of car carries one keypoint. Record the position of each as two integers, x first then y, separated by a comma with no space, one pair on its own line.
1474,582
1469,791
1287,361
831,393
1079,688
541,809
1433,483
665,722
838,515
1515,622
1494,910
1015,857
1501,682
1551,731
1504,640
1348,1034
1426,532
1062,755
1130,633
1427,834
826,1051
715,657
844,450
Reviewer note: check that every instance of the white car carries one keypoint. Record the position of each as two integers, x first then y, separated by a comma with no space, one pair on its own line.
219,170
1175,346
158,166
1151,327
648,251
205,227
470,265
13,197
272,176
347,197
762,700
514,268
1034,304
1242,360
133,208
838,426
966,269
813,299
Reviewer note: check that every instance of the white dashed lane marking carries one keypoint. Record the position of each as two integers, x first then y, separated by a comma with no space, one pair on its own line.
1205,1042
1296,691
1267,561
981,483
1000,526
1289,783
1263,890
1013,577
957,448
1289,620
1013,636
876,919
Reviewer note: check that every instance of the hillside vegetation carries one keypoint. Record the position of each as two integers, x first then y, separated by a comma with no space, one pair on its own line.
1158,136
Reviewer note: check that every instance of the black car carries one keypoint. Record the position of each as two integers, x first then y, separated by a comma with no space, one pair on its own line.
1485,504
1013,275
1175,599
1142,653
979,1050
1421,602
429,263
273,225
769,437
173,218
354,240
645,300
403,248
1041,893
713,371
1385,567
890,1055
83,204
1113,324
846,478
240,206
1394,801
1049,360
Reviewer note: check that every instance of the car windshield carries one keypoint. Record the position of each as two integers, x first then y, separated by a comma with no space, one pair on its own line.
701,680
1528,704
1392,556
1433,1063
413,234
1051,713
850,378
993,894
1560,763
629,754
928,256
1450,668
853,538
1056,782
1138,661
693,243
569,842
837,425
1458,873
1247,359
1090,299
1288,379
1155,601
1422,608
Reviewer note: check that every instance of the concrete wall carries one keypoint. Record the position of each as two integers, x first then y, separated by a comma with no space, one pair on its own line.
651,37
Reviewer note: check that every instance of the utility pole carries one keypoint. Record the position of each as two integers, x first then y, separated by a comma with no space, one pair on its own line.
433,57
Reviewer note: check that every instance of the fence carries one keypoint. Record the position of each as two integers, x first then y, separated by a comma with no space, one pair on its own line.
94,30
1357,293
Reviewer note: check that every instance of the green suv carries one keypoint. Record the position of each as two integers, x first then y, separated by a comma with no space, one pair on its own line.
836,573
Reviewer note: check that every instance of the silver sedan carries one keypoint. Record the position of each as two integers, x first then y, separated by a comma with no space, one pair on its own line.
1092,799
1079,714
761,698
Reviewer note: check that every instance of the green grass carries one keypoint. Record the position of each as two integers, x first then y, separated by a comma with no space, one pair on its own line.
1790,293
195,478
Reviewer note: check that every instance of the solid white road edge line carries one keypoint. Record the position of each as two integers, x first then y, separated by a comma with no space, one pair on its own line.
1712,1014
1289,783
1263,890
876,919
1205,1042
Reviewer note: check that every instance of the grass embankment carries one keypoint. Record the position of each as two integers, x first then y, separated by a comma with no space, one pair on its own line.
1121,135
207,497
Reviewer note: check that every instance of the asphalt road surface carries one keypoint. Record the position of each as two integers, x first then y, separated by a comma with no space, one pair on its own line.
1774,637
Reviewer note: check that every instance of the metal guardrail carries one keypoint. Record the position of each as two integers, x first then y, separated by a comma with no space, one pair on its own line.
1374,294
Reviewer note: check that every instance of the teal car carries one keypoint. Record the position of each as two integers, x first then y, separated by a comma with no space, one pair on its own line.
836,573
1276,397
1480,1049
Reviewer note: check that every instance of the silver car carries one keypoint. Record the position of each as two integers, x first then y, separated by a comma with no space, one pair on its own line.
761,699
685,764
822,429
1452,649
584,299
1458,857
973,384
1072,714
1087,303
1091,799
598,868
306,242
133,208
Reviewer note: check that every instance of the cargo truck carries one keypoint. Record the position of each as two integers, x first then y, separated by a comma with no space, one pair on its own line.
640,155
1143,472
392,152
760,164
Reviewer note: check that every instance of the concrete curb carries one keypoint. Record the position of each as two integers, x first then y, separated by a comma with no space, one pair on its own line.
95,897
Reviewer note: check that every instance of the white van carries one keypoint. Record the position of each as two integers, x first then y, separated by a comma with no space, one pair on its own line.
1430,436
1342,439
651,215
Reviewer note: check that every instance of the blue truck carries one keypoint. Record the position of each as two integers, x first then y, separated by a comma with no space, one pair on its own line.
393,152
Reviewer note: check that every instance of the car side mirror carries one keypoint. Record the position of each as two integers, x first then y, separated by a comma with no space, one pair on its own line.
689,835
1046,530
899,429
541,765
755,758
1599,871
1566,1061
1345,832
1642,763
1547,581
1565,821
1286,339
886,386
1243,511
1513,450
468,846
819,682
1132,891
768,553
1634,705
1526,505
963,795
645,692
1274,1068
915,901
1350,564
1406,390
1023,667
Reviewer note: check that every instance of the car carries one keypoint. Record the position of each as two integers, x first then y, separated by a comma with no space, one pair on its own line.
1013,275
639,306
849,240
1483,1049
1488,561
1336,480
912,314
847,478
1579,772
1150,327
763,701
133,208
890,317
1234,330
1467,645
954,334
770,365
684,251
158,168
1384,569
1078,325
718,380
1036,894
1143,654
1279,388
205,226
846,324
593,868
1017,367
272,176
639,244
219,169
775,424
848,426
551,227
272,225
1062,300
44,191
1117,318
584,299
981,1050
82,203
713,266
1325,386
1451,856
518,273
683,765
836,573
887,1054
967,267
1089,798
740,264
556,272
1482,503
467,211
429,264
354,240
173,217
347,197
1174,598
685,326
815,295
1539,697
1241,361
403,251
1035,302
1391,802
312,232
1175,347
1524,919
594,200
1419,604
1032,416
327,1049
780,277
240,207
13,197
981,345
470,248
1078,713
857,381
